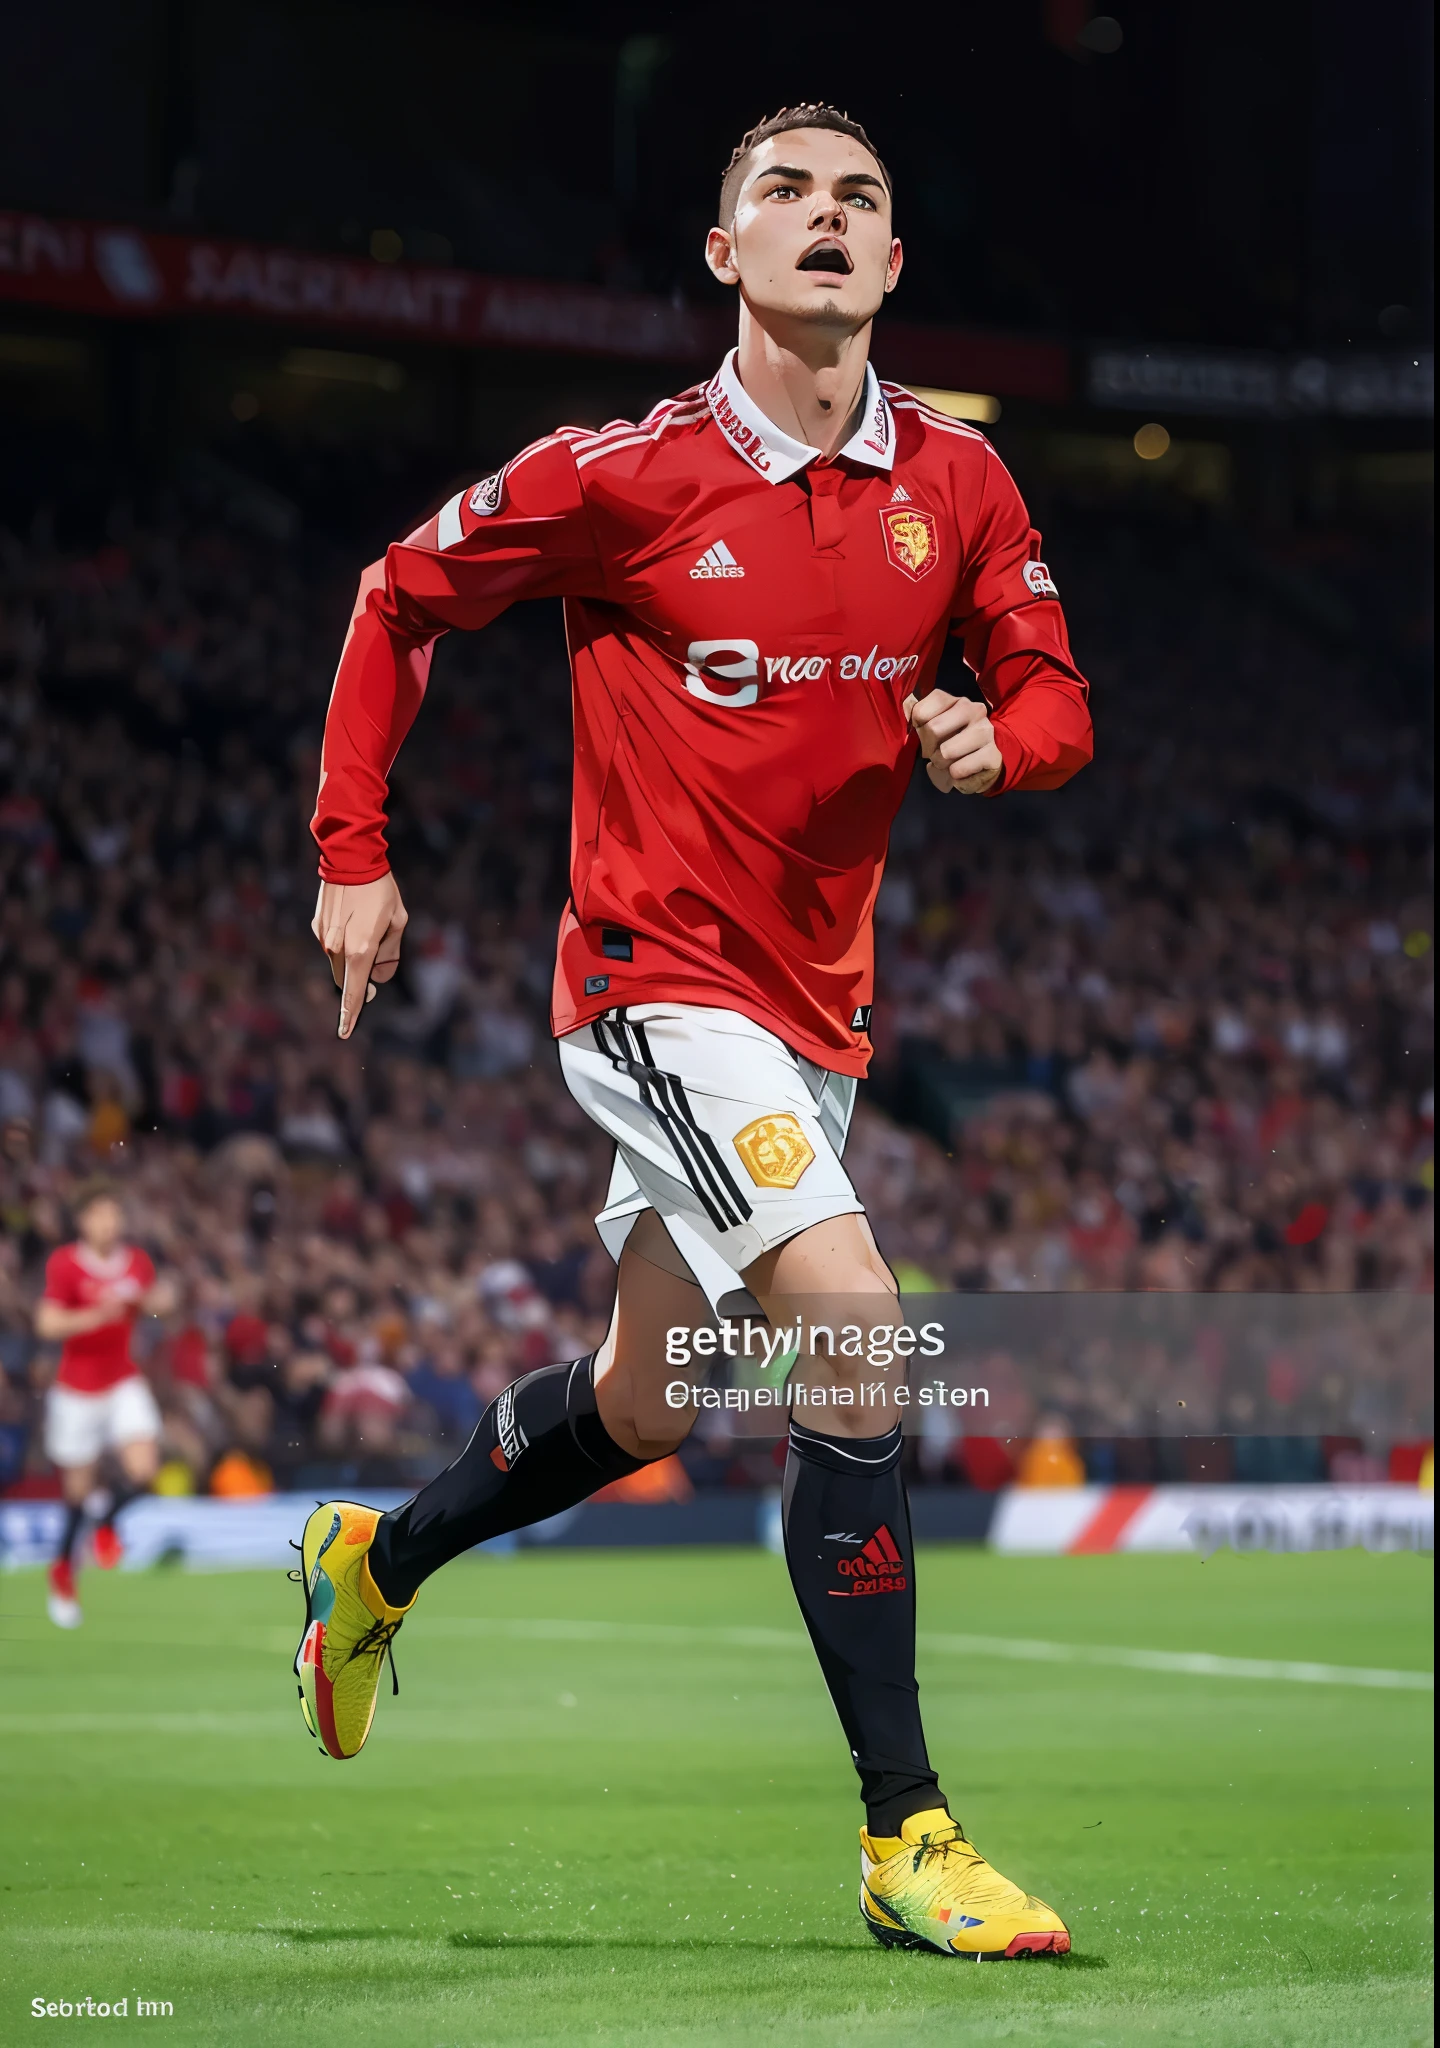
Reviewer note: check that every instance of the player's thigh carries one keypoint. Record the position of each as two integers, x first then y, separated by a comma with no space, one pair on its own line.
74,1432
132,1428
656,1296
831,1278
838,1256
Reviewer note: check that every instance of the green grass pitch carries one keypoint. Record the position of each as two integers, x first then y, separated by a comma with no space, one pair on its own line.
612,1805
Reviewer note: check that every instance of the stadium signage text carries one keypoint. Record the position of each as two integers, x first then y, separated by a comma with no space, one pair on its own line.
1371,386
114,269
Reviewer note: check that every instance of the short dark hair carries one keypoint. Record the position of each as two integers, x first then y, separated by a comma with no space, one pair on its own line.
815,114
95,1189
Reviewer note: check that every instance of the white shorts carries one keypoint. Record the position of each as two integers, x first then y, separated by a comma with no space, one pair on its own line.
79,1427
730,1137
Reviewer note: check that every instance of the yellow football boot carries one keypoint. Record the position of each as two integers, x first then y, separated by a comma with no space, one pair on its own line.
930,1888
349,1628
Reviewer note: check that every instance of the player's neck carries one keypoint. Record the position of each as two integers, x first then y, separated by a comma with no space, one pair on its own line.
91,1255
808,379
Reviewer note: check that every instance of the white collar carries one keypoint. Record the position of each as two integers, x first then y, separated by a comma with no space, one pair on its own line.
102,1268
773,453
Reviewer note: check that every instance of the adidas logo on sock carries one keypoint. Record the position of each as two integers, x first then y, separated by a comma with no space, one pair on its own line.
715,563
879,1568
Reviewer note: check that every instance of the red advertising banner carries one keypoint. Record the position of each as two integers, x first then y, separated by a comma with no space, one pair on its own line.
90,267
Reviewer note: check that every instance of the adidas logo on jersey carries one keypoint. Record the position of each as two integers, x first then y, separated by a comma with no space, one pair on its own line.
900,496
715,563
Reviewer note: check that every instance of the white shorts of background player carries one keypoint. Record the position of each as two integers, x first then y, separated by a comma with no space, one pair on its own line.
79,1428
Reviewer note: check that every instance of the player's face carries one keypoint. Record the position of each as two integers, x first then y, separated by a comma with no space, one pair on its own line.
812,235
101,1223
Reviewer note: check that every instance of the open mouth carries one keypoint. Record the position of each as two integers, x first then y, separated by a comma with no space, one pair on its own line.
828,257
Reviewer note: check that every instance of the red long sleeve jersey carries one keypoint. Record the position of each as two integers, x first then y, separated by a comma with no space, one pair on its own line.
745,622
76,1277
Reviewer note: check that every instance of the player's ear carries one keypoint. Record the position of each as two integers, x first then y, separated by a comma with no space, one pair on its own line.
720,255
892,268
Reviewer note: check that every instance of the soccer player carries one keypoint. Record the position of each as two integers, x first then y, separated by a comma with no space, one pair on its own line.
98,1402
759,579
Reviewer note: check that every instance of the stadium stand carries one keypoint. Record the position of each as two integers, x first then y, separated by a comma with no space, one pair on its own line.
1171,1029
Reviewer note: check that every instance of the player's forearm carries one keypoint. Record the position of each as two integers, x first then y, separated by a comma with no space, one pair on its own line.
378,689
1039,701
54,1322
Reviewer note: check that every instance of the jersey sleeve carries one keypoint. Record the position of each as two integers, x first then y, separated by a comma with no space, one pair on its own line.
1007,613
60,1277
522,533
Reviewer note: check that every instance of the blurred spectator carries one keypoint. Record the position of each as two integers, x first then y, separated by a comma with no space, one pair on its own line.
1050,1458
440,1381
240,1477
1169,1029
363,1409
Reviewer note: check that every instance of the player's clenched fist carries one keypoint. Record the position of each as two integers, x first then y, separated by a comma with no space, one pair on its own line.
359,925
957,740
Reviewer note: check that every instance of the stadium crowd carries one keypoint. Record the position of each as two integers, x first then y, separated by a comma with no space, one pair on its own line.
1168,1029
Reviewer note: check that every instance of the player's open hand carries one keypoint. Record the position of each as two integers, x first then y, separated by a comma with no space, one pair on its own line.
359,925
163,1298
957,740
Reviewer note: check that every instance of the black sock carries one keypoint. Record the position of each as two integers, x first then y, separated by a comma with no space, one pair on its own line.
121,1497
70,1533
537,1449
847,1543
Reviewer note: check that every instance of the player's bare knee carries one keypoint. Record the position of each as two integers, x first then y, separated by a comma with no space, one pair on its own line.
642,1427
140,1460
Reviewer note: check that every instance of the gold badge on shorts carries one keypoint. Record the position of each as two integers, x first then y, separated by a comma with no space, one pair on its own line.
775,1149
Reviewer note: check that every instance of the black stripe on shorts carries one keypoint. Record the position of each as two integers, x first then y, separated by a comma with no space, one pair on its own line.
701,1165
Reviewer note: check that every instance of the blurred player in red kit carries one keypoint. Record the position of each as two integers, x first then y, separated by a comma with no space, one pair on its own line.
98,1403
759,580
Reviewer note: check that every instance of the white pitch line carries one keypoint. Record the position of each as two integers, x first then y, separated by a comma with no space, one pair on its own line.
434,1727
231,1726
1016,1649
1186,1663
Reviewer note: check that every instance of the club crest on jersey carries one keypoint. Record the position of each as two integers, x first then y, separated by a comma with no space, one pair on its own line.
775,1150
912,538
1038,580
